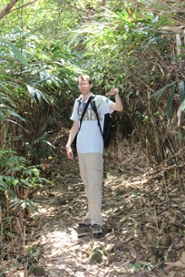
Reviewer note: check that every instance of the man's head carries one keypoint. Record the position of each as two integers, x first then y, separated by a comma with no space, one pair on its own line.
84,79
85,84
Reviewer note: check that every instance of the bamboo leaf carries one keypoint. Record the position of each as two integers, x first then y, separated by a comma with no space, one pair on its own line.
48,143
31,91
38,94
4,88
181,91
10,112
170,101
15,50
159,92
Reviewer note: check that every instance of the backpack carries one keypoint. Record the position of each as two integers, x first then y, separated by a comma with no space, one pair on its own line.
106,132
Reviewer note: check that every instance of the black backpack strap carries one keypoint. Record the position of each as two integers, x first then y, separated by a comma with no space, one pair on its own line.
84,111
93,105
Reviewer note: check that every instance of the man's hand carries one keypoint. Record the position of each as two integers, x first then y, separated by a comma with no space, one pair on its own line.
113,91
118,105
69,152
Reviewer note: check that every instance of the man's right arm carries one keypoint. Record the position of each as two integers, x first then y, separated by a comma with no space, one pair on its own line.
74,130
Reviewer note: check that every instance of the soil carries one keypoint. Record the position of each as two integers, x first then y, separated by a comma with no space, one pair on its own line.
143,220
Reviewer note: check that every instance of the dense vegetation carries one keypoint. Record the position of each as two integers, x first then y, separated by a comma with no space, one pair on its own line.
137,46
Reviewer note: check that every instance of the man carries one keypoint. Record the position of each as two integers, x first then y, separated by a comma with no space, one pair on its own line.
90,147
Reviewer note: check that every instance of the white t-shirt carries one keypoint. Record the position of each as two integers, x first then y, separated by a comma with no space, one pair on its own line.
89,139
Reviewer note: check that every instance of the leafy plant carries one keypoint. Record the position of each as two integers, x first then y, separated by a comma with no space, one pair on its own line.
15,173
16,180
38,149
13,50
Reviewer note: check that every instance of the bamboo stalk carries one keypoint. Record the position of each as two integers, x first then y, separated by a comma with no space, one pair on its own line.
24,251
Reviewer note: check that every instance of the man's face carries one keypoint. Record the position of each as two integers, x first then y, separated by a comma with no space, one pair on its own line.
84,86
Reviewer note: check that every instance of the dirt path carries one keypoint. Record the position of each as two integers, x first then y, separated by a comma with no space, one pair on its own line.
133,226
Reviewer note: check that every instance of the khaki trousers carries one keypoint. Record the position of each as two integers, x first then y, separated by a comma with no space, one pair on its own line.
91,171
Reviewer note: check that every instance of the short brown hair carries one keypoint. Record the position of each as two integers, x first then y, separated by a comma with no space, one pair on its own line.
84,78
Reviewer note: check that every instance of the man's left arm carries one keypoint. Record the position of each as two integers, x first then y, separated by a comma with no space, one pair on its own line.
118,105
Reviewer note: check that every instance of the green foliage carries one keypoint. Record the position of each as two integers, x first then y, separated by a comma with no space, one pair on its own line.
16,178
170,101
159,93
174,86
38,271
114,45
38,95
13,51
7,112
16,174
140,266
97,255
181,91
40,148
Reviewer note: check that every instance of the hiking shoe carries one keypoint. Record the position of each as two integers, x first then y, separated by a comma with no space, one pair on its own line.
85,223
97,231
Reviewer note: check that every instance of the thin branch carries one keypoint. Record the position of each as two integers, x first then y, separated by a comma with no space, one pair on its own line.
27,4
8,8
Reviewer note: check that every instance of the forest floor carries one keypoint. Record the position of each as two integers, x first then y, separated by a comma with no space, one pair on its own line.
144,221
